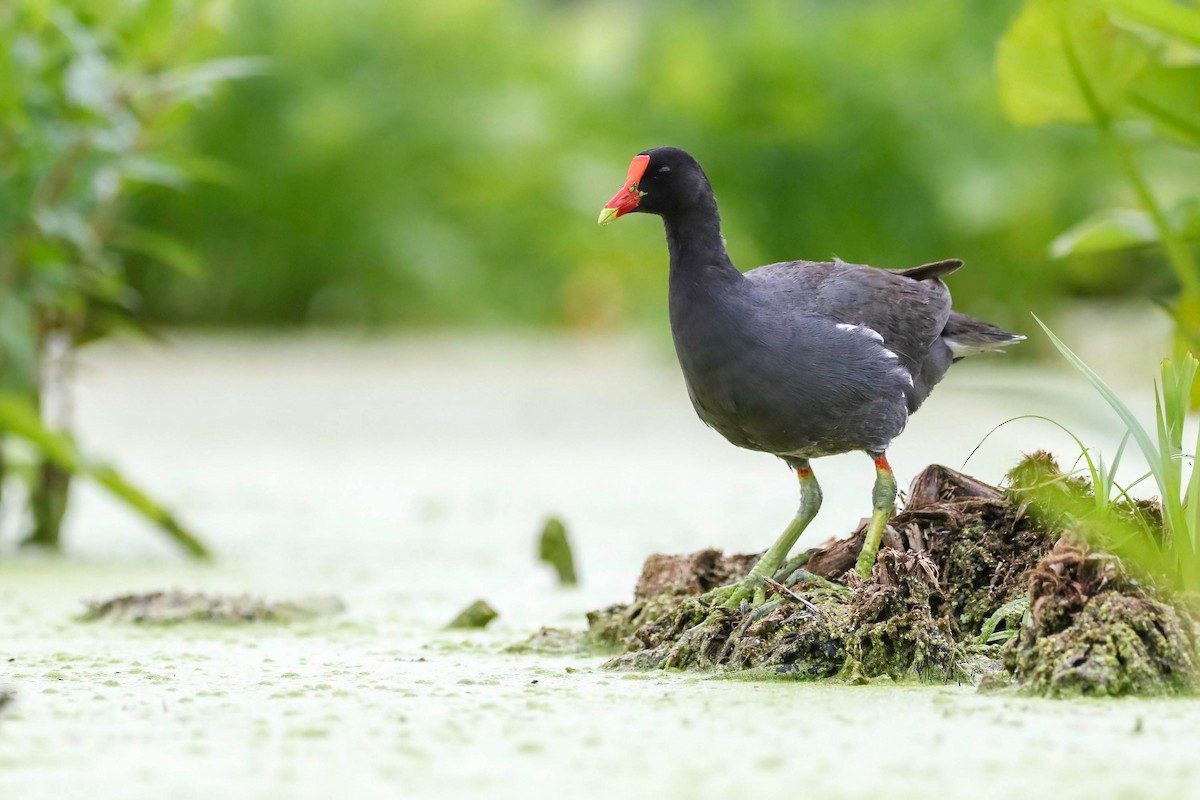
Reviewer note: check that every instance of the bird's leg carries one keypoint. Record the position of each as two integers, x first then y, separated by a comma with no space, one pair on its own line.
753,588
883,496
790,567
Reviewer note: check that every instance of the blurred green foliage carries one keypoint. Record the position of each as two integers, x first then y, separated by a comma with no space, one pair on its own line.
91,96
443,162
1131,69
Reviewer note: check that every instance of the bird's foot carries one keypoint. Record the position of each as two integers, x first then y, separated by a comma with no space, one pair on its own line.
751,590
803,576
791,568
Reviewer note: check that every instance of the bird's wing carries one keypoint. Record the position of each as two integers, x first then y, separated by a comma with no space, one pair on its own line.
907,308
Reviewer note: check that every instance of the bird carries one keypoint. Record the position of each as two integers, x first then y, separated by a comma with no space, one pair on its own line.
798,359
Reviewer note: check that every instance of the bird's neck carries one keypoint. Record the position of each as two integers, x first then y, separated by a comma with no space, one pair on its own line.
697,248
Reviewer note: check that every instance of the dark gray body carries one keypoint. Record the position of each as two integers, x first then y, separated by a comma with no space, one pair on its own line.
800,359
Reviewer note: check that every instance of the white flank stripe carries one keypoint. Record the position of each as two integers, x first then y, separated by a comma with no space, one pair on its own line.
863,329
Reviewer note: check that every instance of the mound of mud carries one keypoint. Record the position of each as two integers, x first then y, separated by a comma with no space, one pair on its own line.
971,584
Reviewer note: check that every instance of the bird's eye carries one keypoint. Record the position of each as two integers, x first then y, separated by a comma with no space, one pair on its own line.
663,170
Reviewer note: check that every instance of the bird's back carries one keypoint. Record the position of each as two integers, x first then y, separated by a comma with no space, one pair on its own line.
808,358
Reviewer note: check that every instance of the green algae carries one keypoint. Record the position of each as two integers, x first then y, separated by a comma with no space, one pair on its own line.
665,584
1117,645
549,641
898,626
1091,631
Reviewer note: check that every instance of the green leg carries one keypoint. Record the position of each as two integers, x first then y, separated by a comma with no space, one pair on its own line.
883,496
752,587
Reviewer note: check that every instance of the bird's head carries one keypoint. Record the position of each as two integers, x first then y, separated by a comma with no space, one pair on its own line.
661,181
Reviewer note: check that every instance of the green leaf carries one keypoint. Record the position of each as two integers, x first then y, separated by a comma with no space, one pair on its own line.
1109,230
197,80
1169,17
1177,379
1110,480
161,248
1105,231
19,417
1037,83
1185,217
1169,97
18,345
153,171
1192,500
198,169
136,499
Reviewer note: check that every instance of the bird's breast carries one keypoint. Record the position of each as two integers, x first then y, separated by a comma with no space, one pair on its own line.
790,384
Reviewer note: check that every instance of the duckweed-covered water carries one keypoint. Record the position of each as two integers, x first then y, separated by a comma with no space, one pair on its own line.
409,478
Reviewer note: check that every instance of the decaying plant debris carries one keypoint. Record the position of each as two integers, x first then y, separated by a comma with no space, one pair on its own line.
173,607
1093,631
973,583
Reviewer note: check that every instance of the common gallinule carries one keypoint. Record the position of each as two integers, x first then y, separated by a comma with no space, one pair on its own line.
800,359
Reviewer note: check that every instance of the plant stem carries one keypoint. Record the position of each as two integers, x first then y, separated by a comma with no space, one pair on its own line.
1178,254
1165,116
49,506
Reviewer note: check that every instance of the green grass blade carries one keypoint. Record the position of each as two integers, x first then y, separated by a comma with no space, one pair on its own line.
1082,447
1140,436
1116,464
1123,492
136,499
1169,483
19,418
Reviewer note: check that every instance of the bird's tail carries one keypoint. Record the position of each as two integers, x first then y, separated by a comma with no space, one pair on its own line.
967,336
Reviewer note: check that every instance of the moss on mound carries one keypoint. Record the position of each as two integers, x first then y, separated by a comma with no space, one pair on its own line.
1092,631
943,604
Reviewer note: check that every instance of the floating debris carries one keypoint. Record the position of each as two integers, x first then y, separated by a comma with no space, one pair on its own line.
555,549
176,606
7,698
477,615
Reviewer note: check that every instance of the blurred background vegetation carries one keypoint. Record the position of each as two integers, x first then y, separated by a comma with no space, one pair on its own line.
384,164
434,163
